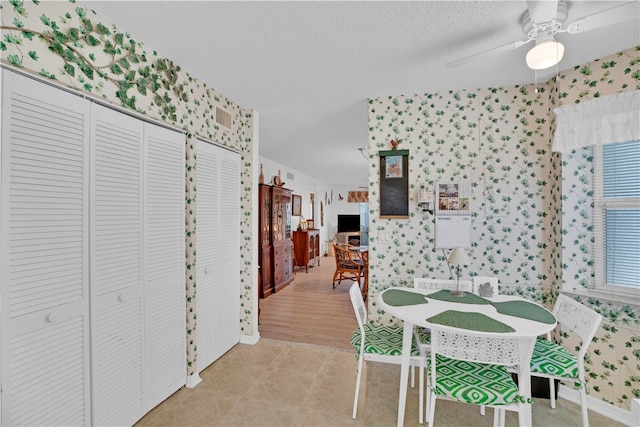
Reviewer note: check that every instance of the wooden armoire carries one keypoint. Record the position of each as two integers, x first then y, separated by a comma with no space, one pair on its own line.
275,244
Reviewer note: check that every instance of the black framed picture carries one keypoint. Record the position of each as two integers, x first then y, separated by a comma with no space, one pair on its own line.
394,184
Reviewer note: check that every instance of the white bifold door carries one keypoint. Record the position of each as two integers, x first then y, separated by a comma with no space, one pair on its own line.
137,266
93,301
45,255
218,246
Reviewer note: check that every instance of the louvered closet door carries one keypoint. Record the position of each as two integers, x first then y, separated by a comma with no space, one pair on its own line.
116,267
165,321
44,262
218,252
227,278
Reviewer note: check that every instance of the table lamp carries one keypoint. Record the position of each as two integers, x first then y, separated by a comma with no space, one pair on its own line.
458,257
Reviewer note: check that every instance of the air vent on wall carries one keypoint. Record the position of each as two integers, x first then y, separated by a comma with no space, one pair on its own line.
290,176
223,118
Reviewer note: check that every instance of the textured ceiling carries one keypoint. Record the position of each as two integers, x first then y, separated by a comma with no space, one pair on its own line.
308,67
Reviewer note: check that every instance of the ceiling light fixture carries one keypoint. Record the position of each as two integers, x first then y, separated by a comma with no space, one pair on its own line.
546,53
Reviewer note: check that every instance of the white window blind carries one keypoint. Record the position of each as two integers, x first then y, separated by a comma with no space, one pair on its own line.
617,215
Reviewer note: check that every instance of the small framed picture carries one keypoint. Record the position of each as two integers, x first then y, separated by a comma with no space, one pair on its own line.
296,205
310,224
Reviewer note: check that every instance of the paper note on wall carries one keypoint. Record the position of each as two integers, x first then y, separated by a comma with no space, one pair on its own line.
453,231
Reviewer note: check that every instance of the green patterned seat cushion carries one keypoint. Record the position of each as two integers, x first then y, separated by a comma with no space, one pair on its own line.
475,383
424,335
550,358
384,340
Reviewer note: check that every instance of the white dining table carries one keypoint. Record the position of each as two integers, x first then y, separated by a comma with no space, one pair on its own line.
418,313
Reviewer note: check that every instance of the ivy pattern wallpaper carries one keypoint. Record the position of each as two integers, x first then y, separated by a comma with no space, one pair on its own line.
531,224
530,207
68,43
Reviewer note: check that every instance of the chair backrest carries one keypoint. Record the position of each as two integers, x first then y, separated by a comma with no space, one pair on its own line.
485,286
579,318
344,258
512,352
358,305
439,284
342,254
482,348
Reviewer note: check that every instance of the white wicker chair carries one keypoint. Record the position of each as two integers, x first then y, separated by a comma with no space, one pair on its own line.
550,360
486,287
474,381
380,344
423,335
439,284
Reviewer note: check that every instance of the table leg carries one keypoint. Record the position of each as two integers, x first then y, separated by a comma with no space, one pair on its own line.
524,386
407,336
526,418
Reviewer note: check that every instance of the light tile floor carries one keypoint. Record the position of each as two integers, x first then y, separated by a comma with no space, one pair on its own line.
278,383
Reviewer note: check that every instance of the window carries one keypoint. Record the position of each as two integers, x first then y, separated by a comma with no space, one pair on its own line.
617,216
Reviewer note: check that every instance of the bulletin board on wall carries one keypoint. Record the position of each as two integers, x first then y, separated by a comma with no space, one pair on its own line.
394,184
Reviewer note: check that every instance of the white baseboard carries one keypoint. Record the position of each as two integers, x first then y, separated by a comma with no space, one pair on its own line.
620,415
250,339
193,380
635,410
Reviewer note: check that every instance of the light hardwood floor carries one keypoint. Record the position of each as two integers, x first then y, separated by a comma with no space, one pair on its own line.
309,310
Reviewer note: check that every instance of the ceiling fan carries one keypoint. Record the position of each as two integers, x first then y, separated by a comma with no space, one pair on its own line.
543,20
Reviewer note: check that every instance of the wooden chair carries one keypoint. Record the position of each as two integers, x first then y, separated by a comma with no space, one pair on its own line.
348,266
364,256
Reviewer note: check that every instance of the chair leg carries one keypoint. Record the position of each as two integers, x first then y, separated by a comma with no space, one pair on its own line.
413,376
432,408
552,392
421,391
355,397
426,399
583,404
498,417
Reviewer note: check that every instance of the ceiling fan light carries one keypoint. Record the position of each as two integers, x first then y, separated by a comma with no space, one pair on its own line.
545,54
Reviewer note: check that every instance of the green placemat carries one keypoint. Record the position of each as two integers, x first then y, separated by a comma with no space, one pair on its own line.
398,297
468,298
469,320
525,310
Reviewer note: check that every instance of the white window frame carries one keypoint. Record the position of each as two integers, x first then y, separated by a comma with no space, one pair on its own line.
599,206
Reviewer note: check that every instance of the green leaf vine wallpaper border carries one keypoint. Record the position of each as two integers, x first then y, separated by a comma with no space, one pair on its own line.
68,43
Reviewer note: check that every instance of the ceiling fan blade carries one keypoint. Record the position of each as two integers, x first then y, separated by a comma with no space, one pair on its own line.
477,56
542,10
615,15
